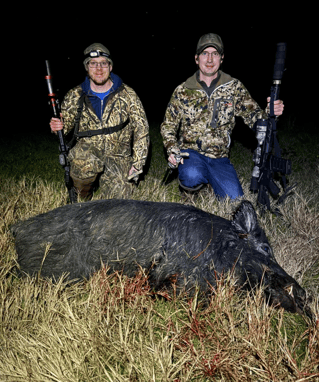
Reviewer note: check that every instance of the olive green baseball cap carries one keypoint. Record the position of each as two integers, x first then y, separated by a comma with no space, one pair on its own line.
96,50
210,39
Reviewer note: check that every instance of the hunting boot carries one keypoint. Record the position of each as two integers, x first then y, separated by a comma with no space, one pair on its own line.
84,187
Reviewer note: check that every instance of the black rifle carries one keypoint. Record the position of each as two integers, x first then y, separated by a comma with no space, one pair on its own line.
63,157
267,164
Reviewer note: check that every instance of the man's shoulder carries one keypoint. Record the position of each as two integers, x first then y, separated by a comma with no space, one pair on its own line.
126,91
78,89
73,93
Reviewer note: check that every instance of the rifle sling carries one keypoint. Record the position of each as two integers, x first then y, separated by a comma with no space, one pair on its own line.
77,120
91,133
105,131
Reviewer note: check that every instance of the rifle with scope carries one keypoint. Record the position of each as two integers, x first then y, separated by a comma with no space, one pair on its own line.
268,164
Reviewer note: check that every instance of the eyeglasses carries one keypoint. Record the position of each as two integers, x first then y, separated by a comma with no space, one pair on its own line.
95,65
207,54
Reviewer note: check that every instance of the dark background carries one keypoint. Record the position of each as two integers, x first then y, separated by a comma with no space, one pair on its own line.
153,50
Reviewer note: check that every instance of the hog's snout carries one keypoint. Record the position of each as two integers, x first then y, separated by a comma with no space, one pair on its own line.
284,291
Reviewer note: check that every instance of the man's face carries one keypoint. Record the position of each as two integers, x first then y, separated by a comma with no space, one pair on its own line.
99,70
209,61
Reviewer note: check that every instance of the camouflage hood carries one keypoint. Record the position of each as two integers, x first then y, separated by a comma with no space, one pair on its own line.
198,121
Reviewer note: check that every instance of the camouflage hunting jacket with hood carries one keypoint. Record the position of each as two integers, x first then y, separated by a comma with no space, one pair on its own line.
121,107
198,121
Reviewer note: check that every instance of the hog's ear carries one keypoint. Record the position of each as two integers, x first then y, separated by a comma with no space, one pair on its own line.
245,218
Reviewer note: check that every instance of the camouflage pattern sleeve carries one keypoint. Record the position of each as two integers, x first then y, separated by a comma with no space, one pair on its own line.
140,127
69,108
246,107
170,125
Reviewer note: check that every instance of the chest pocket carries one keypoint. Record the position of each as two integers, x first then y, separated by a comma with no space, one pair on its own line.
223,111
213,122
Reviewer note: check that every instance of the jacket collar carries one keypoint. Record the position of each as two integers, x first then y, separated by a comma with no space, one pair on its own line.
192,83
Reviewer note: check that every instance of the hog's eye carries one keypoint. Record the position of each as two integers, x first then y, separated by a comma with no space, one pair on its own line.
266,248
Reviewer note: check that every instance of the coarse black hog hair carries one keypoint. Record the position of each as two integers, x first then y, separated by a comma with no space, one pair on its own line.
168,240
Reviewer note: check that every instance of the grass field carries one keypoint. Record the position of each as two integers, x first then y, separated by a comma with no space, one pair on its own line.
112,328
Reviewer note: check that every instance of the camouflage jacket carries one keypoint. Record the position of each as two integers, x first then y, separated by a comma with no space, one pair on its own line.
194,120
122,107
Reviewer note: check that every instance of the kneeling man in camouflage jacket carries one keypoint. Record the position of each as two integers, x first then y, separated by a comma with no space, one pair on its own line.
200,118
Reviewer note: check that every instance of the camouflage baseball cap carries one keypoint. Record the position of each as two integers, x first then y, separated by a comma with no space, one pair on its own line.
210,39
96,50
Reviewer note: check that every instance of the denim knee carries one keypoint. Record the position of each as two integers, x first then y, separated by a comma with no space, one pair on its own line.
190,176
193,171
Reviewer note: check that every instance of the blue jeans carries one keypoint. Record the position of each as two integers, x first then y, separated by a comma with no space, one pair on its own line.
219,173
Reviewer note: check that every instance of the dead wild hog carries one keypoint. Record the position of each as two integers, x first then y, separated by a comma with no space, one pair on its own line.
168,240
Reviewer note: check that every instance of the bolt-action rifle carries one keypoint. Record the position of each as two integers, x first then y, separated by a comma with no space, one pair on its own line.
63,157
267,163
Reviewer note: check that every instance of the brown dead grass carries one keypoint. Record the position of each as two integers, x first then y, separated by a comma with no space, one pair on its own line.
112,328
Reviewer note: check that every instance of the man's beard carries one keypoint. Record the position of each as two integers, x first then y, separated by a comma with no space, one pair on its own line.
99,82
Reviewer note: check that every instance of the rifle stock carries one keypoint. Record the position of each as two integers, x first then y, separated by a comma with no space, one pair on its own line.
63,157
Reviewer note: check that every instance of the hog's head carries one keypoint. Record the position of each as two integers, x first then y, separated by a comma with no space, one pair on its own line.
256,264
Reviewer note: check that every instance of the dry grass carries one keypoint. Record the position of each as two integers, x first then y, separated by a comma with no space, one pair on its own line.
112,328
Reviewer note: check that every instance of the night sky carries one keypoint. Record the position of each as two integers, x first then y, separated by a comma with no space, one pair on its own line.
153,50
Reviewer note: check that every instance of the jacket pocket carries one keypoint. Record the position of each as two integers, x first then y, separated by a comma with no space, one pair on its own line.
225,111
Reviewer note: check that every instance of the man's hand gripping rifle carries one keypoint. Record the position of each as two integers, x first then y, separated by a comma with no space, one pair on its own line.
63,157
267,164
